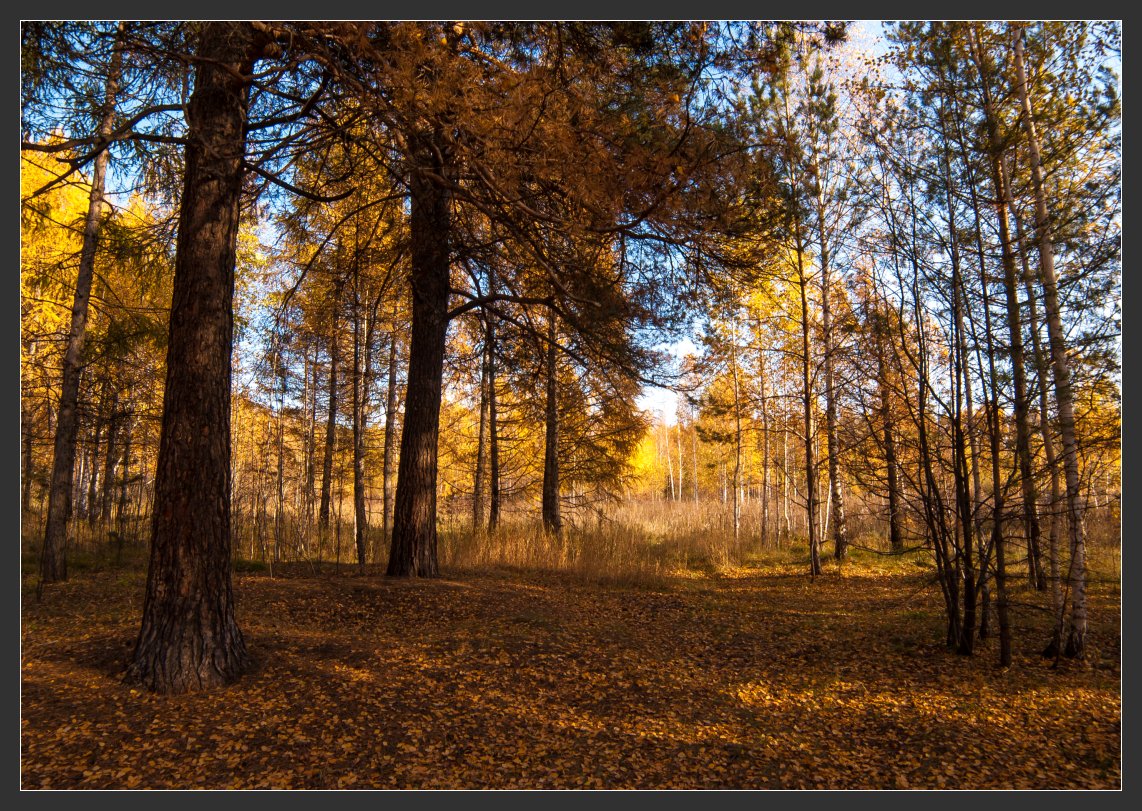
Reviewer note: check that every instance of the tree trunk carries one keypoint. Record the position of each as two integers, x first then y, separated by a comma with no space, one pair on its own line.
53,560
310,440
478,496
998,543
413,552
1015,332
552,521
679,427
111,457
1064,397
189,637
1054,647
785,472
964,450
331,414
695,443
836,494
98,421
279,503
737,436
493,418
807,405
124,478
360,388
895,534
390,436
29,462
764,452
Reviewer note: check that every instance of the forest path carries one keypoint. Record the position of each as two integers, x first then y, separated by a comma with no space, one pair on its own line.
512,679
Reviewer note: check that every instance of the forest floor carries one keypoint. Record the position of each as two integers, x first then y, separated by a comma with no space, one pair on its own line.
498,678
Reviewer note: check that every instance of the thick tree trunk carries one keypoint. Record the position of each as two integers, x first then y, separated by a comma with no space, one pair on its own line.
53,560
189,637
552,520
1064,397
413,552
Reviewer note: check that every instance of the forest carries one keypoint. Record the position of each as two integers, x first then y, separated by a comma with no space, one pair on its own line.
589,405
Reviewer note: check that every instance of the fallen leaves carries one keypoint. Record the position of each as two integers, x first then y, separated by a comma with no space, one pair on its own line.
516,680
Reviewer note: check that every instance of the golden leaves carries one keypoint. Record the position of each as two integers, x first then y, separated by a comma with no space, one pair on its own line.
541,681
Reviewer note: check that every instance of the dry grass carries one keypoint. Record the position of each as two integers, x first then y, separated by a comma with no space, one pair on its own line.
634,542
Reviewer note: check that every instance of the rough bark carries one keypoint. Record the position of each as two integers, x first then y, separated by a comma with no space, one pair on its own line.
413,551
53,559
189,638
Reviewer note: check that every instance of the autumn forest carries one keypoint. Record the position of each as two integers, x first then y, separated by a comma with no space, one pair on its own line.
570,405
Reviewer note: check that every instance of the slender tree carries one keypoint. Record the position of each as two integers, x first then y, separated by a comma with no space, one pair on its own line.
53,560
